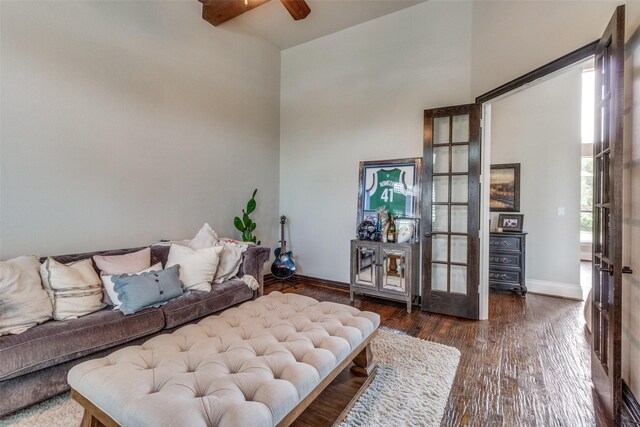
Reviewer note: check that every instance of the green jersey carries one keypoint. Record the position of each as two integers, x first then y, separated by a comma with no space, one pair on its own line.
388,190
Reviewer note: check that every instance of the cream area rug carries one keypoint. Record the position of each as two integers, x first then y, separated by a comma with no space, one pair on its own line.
411,388
412,385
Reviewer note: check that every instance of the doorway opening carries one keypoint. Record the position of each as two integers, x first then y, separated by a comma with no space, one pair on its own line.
539,128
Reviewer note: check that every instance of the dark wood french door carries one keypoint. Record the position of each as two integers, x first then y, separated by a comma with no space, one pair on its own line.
607,220
451,210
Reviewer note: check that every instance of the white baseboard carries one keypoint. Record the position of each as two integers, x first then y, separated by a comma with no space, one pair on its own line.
556,289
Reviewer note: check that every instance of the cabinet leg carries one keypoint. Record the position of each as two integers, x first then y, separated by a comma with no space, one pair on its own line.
409,306
351,295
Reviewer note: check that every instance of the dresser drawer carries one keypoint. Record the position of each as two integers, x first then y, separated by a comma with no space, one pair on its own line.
504,276
502,259
506,243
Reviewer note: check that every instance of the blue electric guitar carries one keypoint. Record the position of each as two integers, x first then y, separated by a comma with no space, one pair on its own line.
283,267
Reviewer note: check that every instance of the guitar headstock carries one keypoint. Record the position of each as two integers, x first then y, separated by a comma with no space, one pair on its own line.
283,219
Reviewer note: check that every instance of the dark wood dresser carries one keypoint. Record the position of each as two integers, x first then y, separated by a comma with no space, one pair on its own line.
507,261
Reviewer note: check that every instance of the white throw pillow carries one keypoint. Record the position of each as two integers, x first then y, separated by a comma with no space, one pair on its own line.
23,302
205,238
74,288
230,260
197,266
108,284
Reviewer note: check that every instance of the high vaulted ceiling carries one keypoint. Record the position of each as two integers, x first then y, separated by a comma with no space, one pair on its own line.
273,23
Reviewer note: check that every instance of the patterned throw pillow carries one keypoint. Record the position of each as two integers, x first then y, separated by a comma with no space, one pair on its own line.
152,289
75,288
23,302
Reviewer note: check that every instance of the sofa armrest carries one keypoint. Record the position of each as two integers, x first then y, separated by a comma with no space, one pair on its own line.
253,261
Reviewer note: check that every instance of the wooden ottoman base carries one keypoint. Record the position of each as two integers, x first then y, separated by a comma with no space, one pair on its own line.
363,366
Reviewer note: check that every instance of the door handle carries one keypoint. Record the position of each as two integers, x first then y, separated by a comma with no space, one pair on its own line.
627,270
428,234
606,269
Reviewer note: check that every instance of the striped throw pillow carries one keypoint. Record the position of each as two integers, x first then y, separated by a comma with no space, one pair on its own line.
75,288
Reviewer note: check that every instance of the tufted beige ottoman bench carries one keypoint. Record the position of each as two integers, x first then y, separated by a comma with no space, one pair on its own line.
259,364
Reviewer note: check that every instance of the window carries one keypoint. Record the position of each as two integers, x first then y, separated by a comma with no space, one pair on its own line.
586,171
586,199
588,106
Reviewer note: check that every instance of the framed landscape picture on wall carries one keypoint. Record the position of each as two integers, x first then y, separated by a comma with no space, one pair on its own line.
504,190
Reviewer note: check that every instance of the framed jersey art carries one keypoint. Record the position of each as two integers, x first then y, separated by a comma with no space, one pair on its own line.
390,184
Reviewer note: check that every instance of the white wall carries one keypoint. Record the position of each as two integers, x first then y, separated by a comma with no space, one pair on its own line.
539,127
128,122
511,38
359,95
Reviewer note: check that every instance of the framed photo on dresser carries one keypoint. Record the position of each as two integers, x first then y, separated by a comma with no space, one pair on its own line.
511,222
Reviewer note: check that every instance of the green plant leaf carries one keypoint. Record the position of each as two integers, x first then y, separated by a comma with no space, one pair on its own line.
253,239
253,226
253,196
251,206
258,243
246,236
246,220
237,222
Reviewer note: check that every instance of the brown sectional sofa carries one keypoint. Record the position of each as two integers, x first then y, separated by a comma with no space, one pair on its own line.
34,364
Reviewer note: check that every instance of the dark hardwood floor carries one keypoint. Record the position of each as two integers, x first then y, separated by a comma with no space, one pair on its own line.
528,365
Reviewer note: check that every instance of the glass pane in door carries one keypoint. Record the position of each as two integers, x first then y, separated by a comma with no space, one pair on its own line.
441,160
459,189
441,189
460,158
459,279
459,249
459,219
440,248
441,130
439,280
460,125
440,219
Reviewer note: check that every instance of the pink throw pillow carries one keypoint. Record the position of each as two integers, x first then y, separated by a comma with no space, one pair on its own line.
124,264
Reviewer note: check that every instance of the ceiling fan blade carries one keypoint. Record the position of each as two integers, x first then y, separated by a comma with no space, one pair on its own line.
298,9
218,11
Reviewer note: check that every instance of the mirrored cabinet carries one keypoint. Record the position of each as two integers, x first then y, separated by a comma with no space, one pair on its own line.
384,270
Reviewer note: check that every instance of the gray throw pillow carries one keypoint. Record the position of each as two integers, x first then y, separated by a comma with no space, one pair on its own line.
152,289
